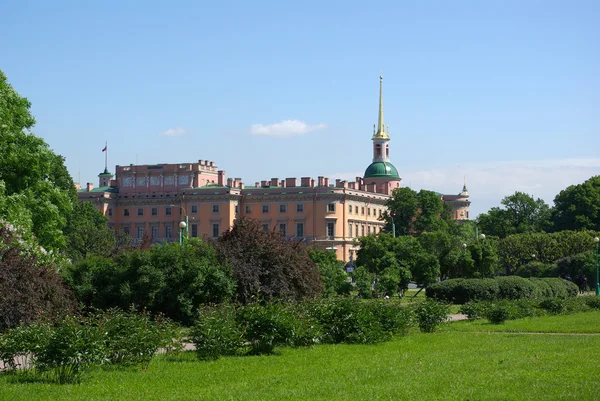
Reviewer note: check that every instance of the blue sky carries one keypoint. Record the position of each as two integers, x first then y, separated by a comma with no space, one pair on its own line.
504,92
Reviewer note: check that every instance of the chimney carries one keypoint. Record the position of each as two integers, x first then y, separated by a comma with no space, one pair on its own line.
89,186
264,184
325,182
212,164
305,181
321,180
257,184
201,162
230,182
77,186
312,182
241,186
338,183
290,182
282,183
274,182
221,178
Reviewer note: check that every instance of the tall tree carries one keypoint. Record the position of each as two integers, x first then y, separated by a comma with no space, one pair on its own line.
521,214
87,233
578,206
39,193
413,213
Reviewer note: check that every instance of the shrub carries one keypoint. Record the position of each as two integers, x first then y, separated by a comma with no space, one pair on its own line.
474,310
333,276
498,314
554,288
265,327
31,288
347,320
430,314
216,332
364,282
460,291
537,269
393,317
514,287
167,278
554,306
592,302
265,267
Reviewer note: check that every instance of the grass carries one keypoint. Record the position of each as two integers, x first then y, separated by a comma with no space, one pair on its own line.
448,365
587,322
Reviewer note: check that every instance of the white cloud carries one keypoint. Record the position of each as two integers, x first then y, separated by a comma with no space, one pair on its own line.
489,182
174,132
285,128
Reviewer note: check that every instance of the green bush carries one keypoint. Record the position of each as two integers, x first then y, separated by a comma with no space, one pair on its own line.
431,314
514,287
554,306
554,288
592,302
347,320
216,332
167,278
393,317
266,326
460,291
474,310
498,314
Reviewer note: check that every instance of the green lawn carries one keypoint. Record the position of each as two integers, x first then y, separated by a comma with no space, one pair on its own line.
588,322
448,365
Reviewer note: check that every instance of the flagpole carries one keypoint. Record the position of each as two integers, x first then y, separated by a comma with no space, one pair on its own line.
106,156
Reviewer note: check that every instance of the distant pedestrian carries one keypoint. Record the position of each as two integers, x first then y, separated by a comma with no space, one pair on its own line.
583,287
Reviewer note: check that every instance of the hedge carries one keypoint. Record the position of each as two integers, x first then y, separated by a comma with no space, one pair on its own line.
460,291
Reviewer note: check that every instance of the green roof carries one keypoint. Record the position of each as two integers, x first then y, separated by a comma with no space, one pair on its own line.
98,189
381,170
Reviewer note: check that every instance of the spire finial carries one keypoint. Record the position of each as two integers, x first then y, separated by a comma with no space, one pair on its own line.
380,121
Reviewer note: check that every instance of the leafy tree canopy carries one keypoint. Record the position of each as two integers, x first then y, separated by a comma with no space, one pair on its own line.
578,207
87,233
521,214
37,189
413,212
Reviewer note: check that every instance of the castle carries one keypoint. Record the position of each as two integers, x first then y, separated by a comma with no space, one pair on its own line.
155,200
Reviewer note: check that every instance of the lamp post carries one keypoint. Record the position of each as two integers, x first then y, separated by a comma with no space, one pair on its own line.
481,237
182,227
596,240
185,222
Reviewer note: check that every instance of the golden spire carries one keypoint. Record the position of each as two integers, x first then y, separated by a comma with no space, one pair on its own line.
381,129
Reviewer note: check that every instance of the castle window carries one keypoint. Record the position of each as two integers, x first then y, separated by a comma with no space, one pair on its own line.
154,211
265,208
194,209
109,212
331,229
300,207
194,230
282,208
331,207
140,211
248,209
125,212
215,209
168,212
282,229
168,232
215,230
299,229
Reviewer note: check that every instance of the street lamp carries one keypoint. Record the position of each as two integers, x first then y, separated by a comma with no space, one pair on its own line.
596,240
185,226
182,227
481,237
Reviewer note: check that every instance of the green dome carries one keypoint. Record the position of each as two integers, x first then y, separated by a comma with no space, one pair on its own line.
381,170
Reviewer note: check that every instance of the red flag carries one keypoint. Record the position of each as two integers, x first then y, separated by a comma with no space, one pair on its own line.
104,150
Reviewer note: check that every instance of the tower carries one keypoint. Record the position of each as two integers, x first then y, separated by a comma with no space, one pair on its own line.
381,172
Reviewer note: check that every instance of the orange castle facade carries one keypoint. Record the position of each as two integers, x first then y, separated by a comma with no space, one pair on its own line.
153,200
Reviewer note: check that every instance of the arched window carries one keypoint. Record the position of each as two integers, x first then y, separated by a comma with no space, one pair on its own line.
387,151
378,150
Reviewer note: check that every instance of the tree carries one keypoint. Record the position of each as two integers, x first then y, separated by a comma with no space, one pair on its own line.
266,267
409,257
414,213
521,213
333,276
87,233
578,206
39,192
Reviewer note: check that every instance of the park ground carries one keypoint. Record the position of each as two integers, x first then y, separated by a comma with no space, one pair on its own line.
545,358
